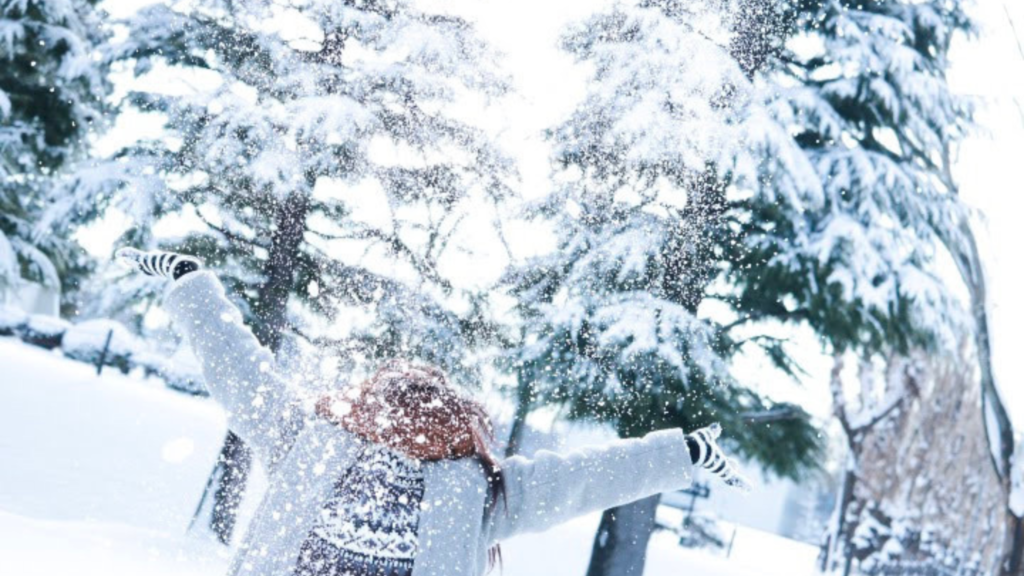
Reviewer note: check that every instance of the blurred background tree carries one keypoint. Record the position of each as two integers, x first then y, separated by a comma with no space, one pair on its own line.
52,99
713,193
293,132
880,122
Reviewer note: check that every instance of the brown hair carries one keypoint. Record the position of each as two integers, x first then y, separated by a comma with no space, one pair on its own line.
413,409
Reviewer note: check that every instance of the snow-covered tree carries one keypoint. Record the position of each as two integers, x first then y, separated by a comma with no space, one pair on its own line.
660,163
52,91
328,167
879,121
882,125
710,197
872,111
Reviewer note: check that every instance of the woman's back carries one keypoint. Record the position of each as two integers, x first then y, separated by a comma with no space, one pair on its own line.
368,525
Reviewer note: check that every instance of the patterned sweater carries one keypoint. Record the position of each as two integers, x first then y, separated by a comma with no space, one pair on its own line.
368,525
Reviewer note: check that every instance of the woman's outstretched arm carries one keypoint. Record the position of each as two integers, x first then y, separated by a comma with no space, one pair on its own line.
238,371
552,488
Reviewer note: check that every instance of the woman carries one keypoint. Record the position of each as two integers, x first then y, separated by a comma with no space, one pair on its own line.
395,477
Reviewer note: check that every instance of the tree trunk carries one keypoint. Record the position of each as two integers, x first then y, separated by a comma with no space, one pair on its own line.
272,302
843,530
838,545
969,265
620,546
524,401
1012,561
233,466
235,459
967,257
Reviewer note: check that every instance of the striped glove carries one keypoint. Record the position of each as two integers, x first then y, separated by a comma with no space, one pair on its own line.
705,453
156,263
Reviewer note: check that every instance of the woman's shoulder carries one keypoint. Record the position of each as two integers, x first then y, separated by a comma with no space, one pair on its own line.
458,474
311,436
457,487
454,466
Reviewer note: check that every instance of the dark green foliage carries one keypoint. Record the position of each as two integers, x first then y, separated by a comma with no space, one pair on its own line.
52,92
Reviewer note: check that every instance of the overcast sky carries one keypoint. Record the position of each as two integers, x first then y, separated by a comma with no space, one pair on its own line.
991,171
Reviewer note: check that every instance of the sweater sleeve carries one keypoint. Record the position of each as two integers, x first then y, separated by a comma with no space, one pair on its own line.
238,371
553,488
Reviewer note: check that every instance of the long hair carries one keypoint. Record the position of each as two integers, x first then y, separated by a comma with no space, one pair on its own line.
413,408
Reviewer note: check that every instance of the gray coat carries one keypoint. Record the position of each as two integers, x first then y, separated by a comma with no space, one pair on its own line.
304,457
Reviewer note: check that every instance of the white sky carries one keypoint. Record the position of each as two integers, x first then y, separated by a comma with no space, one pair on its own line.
990,169
991,172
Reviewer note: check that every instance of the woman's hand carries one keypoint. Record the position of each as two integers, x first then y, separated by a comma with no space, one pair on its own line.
156,263
705,453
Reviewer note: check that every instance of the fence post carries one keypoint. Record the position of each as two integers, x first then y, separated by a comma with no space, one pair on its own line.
103,354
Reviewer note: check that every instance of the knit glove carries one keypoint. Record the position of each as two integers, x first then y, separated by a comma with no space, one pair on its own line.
156,263
705,453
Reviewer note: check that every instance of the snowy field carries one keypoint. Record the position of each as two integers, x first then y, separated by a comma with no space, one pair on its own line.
100,476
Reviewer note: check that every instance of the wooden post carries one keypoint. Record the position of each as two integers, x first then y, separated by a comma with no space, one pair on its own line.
202,499
728,553
103,354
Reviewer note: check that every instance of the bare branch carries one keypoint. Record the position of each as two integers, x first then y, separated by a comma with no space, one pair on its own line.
878,417
426,269
233,236
1016,37
839,399
773,415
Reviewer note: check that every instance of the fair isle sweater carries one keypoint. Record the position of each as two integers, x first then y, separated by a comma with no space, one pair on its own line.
368,525
305,456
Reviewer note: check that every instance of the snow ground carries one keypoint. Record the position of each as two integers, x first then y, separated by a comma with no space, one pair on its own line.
100,475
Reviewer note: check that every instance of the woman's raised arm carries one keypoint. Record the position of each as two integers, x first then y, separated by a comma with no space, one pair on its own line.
238,371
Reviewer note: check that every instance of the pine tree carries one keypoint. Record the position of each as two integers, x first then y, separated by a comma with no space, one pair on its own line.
659,165
878,120
300,131
871,112
52,96
704,174
895,55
